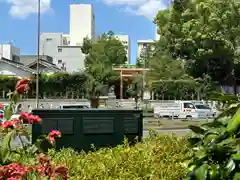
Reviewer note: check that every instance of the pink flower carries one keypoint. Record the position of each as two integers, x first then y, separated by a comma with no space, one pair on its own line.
52,135
10,124
28,118
21,89
21,82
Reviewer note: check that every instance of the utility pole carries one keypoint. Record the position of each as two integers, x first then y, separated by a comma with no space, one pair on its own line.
38,52
144,66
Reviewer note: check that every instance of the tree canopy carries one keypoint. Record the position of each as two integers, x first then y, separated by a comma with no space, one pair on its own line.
101,55
106,49
204,33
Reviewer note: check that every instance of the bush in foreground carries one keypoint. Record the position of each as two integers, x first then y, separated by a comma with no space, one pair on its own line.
157,158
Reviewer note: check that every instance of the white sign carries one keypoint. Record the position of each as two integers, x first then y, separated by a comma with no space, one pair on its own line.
146,95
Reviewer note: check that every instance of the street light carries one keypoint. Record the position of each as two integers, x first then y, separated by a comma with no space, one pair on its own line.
38,52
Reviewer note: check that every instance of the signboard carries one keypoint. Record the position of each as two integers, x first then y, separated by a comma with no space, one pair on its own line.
146,95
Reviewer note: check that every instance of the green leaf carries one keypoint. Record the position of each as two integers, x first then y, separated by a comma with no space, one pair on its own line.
32,149
210,138
196,129
234,123
15,98
229,112
213,171
213,124
193,141
201,172
230,166
6,144
201,154
8,112
236,157
236,176
9,94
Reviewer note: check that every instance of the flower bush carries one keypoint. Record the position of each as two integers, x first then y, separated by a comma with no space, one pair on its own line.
14,128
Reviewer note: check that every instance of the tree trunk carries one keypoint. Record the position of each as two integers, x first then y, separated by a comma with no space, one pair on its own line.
94,102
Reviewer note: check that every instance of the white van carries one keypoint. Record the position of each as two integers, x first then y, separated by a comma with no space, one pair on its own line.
177,109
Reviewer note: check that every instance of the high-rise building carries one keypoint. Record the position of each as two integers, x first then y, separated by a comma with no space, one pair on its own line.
65,48
82,23
126,43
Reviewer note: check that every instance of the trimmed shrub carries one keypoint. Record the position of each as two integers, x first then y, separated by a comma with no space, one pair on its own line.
158,157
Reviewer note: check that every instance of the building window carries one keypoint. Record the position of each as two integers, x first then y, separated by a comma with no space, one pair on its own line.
59,50
59,61
68,42
49,39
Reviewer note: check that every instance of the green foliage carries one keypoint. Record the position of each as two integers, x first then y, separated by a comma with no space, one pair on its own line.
145,56
162,66
50,85
100,58
185,88
107,49
203,33
136,87
158,157
216,144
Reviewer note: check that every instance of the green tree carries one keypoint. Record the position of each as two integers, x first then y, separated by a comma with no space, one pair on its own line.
101,55
106,49
204,33
163,66
145,55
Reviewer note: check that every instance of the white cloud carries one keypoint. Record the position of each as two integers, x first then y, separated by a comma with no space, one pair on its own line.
147,8
23,8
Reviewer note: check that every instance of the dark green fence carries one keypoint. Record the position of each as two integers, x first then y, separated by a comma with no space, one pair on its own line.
81,128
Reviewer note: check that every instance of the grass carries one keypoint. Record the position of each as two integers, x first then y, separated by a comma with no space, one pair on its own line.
165,123
159,157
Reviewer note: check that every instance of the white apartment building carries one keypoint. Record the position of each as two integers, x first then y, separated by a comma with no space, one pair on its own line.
66,39
127,44
142,44
10,52
57,46
65,48
82,23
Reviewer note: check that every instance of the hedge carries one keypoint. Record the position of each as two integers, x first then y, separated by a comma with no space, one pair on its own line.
159,157
57,84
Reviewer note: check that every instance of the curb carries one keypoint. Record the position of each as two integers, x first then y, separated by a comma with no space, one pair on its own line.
171,128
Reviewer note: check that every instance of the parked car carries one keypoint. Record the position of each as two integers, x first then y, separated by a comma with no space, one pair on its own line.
178,109
204,111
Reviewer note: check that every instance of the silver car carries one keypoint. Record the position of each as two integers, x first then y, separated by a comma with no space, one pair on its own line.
204,111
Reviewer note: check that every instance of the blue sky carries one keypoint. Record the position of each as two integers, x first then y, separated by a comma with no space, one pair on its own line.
133,17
